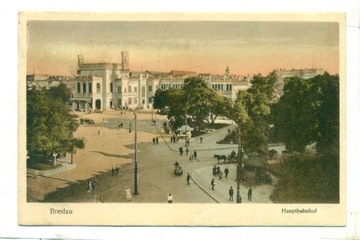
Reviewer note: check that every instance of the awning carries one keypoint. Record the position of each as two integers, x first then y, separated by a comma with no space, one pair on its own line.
81,99
185,128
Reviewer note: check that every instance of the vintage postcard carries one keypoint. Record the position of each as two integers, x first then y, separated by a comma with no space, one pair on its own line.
181,119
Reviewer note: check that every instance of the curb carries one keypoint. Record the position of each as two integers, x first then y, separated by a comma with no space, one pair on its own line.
202,188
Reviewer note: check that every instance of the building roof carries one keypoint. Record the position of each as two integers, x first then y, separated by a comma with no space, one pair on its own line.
181,73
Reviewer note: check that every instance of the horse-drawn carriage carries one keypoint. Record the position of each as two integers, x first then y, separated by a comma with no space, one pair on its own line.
226,159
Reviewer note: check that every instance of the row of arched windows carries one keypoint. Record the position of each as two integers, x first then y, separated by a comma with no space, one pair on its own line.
81,88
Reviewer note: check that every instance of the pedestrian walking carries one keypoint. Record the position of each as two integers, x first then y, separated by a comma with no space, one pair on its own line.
214,170
157,140
220,175
213,184
128,194
250,194
195,154
238,197
231,194
201,139
188,179
181,151
98,132
187,151
170,198
112,170
153,140
226,172
218,170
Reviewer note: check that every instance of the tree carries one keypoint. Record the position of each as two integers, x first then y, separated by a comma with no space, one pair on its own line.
50,124
61,92
74,144
308,112
220,107
195,101
256,101
160,99
327,88
199,99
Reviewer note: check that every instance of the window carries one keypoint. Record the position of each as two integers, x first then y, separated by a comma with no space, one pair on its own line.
150,88
143,91
135,89
150,99
78,87
135,100
111,87
90,87
129,88
119,89
130,102
84,87
98,88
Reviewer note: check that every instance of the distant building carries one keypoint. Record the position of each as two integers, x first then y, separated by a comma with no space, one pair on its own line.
282,74
102,86
47,81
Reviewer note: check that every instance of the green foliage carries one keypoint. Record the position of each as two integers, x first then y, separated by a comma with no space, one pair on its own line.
61,92
199,99
308,112
160,99
195,100
307,179
251,112
50,124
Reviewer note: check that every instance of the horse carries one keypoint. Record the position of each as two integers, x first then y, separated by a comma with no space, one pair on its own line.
219,157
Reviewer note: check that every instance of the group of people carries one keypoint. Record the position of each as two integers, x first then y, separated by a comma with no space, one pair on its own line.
173,139
187,150
155,140
239,199
115,170
216,171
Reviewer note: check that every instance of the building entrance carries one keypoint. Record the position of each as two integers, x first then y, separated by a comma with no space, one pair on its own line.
98,104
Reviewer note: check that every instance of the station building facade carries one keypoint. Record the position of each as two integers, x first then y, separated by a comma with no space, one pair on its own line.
102,86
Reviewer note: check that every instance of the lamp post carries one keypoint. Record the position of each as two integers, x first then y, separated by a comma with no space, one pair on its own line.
239,166
135,158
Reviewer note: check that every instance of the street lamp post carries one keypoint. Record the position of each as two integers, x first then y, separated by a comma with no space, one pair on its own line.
239,166
135,158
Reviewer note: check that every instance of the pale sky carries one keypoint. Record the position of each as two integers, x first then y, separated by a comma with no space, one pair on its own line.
200,46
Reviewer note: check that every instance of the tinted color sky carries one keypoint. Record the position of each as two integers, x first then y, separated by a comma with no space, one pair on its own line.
201,46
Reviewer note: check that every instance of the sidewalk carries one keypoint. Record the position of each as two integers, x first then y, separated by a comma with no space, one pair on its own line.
65,166
203,176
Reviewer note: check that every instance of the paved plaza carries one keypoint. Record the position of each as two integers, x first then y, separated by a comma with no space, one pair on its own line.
156,178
